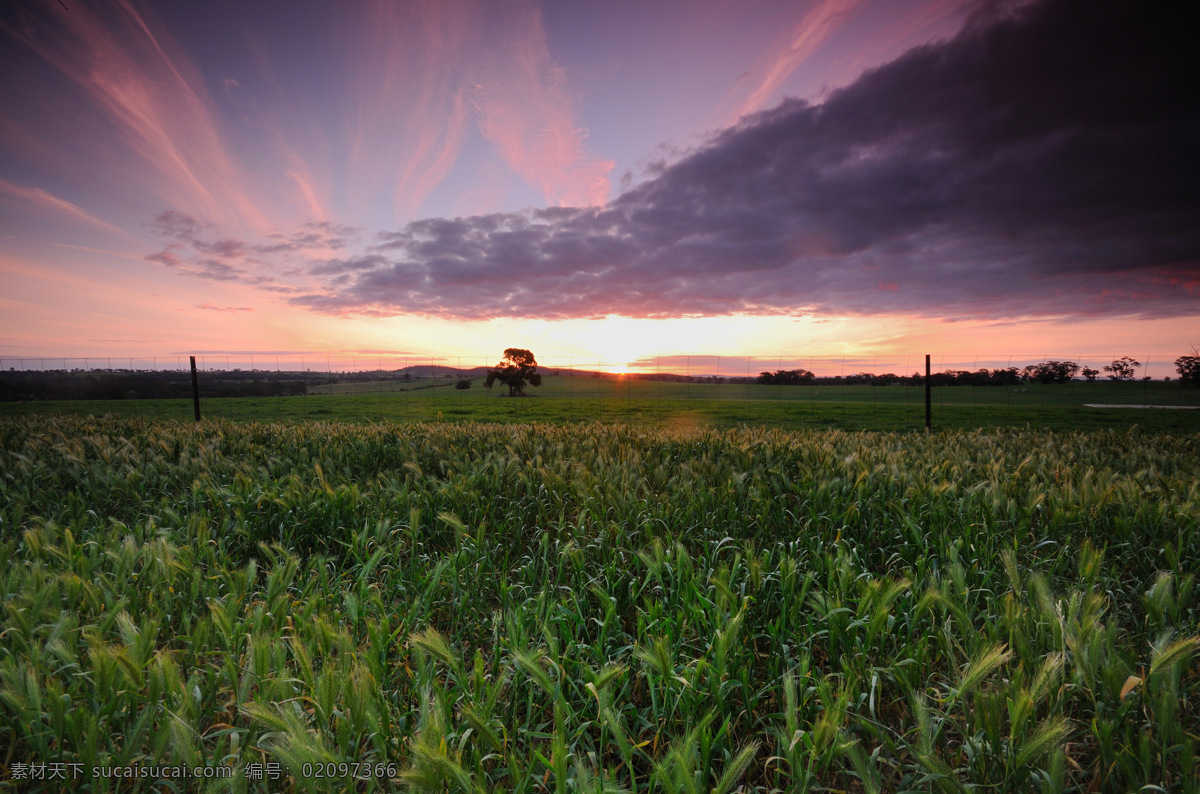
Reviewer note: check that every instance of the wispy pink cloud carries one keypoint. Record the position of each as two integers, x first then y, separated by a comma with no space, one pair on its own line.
39,198
308,194
433,156
106,252
526,109
143,83
210,307
410,121
915,24
805,38
291,135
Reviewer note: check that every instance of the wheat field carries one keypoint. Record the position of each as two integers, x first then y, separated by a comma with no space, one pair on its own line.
574,608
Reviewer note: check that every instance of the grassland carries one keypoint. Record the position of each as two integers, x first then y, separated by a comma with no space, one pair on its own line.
565,399
581,607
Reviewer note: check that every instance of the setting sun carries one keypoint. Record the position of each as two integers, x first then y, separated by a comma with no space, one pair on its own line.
617,342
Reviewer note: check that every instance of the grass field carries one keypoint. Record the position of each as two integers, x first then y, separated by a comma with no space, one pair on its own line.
585,607
649,403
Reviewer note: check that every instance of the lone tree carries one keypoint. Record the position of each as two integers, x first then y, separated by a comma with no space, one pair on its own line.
1122,368
514,370
1188,368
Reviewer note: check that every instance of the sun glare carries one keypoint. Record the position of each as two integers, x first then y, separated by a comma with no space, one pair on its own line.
618,341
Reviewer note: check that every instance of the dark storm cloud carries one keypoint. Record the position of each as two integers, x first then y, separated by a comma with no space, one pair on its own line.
1043,162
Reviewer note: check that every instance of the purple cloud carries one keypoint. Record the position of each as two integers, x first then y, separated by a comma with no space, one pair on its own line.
1041,163
194,248
349,265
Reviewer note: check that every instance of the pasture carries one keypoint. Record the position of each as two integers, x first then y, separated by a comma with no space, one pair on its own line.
587,607
563,399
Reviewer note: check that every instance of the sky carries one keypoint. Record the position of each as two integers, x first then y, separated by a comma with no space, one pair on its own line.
615,181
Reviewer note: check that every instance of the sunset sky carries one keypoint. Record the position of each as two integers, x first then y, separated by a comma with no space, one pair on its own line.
614,180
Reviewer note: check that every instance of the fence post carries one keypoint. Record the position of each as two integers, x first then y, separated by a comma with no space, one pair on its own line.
195,389
928,398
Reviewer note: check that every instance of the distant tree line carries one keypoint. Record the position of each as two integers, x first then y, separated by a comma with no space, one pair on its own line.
982,377
134,384
786,377
670,377
125,384
1121,369
149,384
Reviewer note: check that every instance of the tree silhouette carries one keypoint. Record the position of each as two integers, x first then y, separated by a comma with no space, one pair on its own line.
514,370
1052,371
1122,368
786,377
1188,368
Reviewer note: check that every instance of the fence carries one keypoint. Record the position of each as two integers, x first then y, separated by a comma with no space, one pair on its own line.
1156,366
834,391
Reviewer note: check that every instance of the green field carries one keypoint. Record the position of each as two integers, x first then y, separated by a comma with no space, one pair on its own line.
583,607
382,386
564,399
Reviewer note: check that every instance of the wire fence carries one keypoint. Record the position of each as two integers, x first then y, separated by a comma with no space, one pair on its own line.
1155,367
791,390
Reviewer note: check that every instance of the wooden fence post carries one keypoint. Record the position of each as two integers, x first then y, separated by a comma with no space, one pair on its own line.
928,398
195,389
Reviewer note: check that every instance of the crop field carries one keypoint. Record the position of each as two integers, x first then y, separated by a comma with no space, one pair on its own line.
579,607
